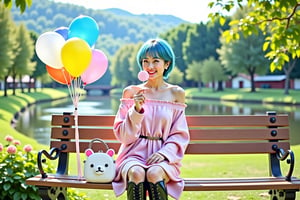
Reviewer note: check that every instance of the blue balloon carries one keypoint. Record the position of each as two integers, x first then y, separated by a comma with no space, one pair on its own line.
85,28
63,31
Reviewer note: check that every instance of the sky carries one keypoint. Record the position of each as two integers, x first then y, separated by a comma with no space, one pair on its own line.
194,11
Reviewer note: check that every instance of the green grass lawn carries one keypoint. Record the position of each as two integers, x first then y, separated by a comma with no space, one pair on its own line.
263,95
12,104
193,166
216,166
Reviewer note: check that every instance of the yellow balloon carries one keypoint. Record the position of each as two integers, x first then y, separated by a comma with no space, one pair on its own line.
76,56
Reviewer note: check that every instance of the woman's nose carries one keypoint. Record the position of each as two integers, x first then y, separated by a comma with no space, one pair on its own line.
151,65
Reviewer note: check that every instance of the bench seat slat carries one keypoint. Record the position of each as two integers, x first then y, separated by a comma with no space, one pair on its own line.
196,134
199,184
195,148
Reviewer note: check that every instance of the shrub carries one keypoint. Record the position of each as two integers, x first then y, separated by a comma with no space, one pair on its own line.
16,165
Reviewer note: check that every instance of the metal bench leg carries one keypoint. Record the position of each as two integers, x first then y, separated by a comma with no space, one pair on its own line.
283,194
51,193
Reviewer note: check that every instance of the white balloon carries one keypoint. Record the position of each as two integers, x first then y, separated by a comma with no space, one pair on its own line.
48,48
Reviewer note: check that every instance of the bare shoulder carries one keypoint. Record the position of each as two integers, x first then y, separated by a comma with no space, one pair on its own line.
178,93
129,91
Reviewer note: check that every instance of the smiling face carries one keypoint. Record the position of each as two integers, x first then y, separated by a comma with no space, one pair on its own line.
156,49
154,66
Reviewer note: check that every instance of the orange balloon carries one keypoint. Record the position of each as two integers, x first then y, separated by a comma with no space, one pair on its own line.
59,75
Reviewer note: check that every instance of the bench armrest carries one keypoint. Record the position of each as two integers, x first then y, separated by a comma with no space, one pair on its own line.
282,155
52,155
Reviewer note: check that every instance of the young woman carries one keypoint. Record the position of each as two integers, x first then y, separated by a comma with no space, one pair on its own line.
152,128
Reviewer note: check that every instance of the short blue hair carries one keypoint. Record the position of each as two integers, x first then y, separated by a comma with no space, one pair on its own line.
157,48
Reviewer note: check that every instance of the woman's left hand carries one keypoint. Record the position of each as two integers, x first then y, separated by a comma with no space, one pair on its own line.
155,158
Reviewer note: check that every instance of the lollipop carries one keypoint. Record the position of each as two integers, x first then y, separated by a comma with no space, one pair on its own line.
143,76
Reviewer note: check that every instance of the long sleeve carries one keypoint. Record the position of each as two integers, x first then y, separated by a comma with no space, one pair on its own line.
178,139
127,123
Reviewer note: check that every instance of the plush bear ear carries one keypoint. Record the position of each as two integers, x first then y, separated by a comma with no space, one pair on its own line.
88,152
111,152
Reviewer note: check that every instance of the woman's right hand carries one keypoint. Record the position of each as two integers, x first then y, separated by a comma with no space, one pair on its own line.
139,100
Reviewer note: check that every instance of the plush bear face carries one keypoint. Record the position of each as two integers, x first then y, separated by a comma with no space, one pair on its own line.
99,167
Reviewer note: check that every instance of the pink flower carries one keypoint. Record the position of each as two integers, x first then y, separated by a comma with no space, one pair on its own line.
9,138
27,148
1,147
11,149
17,142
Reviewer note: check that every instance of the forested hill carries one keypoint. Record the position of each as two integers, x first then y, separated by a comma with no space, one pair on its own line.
117,27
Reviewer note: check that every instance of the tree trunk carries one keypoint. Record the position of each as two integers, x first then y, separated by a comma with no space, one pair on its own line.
252,72
5,86
199,85
14,85
286,85
220,86
21,84
287,73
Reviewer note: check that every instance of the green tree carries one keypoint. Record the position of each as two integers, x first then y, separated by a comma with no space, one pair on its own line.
244,56
202,41
176,77
6,43
193,47
212,72
176,37
193,72
21,4
120,67
22,64
278,18
134,68
40,69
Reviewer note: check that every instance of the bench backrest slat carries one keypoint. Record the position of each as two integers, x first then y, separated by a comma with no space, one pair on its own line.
209,134
236,120
195,134
193,120
194,148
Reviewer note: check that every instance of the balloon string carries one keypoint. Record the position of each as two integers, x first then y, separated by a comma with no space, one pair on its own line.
76,96
74,90
77,144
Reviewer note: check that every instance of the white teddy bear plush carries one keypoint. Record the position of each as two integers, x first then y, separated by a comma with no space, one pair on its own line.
99,167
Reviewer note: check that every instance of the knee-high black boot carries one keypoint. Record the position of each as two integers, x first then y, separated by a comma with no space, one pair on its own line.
136,191
158,191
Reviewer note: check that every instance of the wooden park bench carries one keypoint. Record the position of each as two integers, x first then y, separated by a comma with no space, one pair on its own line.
214,134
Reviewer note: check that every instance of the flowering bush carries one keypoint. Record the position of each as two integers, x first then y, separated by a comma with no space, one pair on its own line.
16,165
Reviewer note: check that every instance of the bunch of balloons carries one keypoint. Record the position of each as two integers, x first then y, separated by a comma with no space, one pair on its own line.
71,59
69,53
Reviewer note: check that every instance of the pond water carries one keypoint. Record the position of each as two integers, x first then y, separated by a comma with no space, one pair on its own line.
35,120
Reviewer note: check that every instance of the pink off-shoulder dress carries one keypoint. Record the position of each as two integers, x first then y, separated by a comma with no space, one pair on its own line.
161,119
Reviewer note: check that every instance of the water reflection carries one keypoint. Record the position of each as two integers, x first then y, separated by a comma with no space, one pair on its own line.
35,121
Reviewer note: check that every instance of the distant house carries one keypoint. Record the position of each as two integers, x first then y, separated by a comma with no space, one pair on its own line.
296,84
241,81
270,81
26,80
